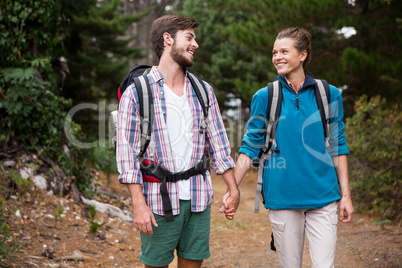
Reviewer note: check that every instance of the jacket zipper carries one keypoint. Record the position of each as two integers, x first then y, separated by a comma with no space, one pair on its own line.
297,100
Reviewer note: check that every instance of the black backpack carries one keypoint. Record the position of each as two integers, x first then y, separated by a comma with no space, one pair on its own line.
138,76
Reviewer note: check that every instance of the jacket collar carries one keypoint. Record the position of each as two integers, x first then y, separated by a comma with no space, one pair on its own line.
308,81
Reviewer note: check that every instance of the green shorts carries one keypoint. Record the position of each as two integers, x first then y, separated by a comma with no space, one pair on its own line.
188,234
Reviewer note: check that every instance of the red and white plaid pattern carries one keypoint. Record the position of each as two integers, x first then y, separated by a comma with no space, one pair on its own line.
128,145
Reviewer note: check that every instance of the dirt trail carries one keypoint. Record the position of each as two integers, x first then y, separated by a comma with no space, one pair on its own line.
243,242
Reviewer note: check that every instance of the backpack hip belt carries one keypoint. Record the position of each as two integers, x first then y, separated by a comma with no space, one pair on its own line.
154,172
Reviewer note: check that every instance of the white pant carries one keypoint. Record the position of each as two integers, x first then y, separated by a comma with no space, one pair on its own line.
290,226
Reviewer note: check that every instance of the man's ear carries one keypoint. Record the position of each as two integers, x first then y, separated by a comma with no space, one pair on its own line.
168,39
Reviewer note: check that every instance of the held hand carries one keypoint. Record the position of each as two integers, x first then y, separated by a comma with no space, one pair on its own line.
230,203
346,209
143,219
224,201
223,207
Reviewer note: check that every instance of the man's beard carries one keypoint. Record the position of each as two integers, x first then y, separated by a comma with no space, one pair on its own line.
180,58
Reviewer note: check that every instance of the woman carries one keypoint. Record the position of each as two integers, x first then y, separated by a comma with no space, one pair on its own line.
300,189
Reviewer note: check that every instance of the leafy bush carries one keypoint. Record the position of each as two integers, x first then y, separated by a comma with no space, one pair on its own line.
29,33
33,112
374,136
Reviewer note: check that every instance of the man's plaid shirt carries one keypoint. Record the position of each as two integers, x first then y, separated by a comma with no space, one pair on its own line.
128,145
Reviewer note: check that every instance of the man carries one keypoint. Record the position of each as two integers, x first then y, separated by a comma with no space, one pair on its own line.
178,144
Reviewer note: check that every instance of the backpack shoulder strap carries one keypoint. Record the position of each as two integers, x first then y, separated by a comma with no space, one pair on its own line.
202,95
275,104
274,112
323,100
146,111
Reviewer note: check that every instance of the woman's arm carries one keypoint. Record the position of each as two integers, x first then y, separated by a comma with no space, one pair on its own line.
345,206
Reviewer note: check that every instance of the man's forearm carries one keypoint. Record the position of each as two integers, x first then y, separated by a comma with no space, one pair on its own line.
136,194
228,177
232,198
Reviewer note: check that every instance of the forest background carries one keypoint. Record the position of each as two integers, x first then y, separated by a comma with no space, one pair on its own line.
61,62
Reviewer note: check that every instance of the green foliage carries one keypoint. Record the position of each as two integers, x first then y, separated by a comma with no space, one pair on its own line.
34,112
21,182
229,65
28,29
235,49
372,59
93,223
104,159
375,138
98,55
57,214
382,223
7,250
74,165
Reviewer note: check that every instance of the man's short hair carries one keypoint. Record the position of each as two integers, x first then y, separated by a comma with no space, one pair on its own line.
169,24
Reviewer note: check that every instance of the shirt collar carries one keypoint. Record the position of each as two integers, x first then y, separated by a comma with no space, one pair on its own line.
295,88
157,76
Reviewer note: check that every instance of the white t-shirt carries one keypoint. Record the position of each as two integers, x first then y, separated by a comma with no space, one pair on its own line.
180,130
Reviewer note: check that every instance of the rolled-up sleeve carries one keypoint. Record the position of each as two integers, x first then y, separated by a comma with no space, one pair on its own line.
128,138
216,137
337,136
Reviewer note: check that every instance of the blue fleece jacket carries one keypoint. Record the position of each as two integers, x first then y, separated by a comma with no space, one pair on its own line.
301,175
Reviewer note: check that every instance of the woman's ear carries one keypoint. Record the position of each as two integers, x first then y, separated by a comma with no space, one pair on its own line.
303,55
167,38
